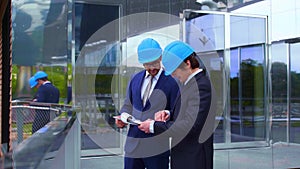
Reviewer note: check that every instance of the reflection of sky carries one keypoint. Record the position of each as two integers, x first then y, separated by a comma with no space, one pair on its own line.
206,33
234,63
254,53
295,54
279,53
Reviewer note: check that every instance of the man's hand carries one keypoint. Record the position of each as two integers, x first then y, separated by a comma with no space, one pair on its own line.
120,123
161,116
145,126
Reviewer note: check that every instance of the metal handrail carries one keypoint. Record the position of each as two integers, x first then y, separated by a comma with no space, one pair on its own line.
31,153
28,117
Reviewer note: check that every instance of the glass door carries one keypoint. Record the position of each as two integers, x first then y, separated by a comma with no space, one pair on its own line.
234,52
294,113
97,67
247,93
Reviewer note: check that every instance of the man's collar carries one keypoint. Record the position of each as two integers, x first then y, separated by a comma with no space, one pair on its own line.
46,82
156,76
192,75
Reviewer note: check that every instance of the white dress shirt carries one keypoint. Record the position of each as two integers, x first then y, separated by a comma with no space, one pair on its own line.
147,80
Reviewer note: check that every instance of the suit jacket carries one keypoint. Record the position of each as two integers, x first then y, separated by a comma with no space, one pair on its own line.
186,123
138,144
47,93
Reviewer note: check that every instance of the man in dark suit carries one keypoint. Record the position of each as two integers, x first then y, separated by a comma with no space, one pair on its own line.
143,150
185,122
46,93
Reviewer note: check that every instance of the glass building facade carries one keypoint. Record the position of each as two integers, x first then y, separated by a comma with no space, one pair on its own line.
90,47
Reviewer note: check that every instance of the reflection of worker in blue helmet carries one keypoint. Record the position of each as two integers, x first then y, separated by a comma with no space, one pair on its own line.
46,93
33,83
148,91
184,123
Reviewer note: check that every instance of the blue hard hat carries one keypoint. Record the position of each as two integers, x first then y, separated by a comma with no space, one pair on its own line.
148,51
32,82
175,53
40,74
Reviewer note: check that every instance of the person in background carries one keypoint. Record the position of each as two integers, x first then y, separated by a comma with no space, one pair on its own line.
185,122
46,93
33,83
148,91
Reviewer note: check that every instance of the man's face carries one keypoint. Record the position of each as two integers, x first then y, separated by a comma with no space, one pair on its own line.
153,67
40,82
38,85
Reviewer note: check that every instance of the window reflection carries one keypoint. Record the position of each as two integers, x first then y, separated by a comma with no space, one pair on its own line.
279,77
36,27
100,57
247,94
295,94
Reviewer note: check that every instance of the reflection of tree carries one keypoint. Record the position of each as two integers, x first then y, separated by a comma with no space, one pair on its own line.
279,81
234,86
252,79
295,87
252,85
280,89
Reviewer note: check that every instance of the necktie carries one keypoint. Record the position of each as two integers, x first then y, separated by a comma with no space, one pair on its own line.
147,91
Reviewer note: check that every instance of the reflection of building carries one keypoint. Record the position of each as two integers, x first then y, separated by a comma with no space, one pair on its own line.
254,57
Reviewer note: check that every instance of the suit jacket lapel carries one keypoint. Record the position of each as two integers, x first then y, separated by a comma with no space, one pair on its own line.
159,83
140,80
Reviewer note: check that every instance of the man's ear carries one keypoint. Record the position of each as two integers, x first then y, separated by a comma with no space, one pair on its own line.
188,63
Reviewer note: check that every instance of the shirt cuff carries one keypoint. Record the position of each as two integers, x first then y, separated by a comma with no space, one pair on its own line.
151,127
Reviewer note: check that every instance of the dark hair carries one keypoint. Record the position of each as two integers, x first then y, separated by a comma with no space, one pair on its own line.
44,79
193,60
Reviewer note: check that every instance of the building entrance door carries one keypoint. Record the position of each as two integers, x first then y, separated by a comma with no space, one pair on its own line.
97,57
233,49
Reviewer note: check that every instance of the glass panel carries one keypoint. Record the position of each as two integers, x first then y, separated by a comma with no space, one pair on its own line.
252,73
216,60
279,92
242,31
214,63
235,116
36,27
97,73
295,94
247,115
205,33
